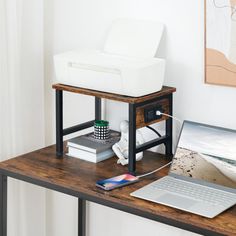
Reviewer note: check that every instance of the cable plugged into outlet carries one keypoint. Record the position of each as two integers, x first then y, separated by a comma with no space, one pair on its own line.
159,113
156,112
150,113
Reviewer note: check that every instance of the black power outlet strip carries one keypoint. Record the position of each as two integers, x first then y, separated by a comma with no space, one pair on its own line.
150,113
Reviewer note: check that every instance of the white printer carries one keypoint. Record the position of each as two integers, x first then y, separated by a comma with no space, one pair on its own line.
127,64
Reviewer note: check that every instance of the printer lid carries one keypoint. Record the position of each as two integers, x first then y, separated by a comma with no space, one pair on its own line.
135,38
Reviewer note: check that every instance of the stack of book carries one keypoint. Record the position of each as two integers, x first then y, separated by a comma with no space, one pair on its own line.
87,148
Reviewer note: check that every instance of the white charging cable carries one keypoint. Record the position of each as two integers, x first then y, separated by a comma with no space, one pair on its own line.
154,171
159,113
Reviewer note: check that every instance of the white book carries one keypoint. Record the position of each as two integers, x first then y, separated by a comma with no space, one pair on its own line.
88,143
89,156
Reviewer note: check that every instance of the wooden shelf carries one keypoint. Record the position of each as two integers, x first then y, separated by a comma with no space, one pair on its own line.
112,96
139,116
77,178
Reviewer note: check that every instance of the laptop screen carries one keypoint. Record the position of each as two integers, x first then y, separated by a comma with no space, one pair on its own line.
206,153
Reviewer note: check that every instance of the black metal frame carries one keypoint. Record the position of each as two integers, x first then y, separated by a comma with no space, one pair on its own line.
60,131
82,198
81,217
166,139
133,150
3,205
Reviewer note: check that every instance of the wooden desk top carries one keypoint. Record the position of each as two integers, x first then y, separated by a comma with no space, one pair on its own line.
112,96
77,178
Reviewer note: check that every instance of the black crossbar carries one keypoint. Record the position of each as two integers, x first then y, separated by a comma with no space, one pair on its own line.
79,127
151,144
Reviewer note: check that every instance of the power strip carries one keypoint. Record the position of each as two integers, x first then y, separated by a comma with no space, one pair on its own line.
150,113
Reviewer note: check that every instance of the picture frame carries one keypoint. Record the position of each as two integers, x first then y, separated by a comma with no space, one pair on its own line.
220,42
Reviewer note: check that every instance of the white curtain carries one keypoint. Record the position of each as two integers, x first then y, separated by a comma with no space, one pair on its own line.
22,106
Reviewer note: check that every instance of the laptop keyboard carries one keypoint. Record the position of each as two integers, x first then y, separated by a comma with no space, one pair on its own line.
194,191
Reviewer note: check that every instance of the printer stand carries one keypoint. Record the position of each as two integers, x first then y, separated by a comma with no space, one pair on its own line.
141,114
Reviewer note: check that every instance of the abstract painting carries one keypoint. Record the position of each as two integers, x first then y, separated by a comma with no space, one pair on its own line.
220,42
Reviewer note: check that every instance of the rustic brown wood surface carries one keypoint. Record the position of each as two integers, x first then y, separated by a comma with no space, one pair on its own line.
79,176
165,91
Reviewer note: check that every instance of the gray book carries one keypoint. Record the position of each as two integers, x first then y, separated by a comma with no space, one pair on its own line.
88,143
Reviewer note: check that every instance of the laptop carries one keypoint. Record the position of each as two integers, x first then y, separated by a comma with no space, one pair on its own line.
202,177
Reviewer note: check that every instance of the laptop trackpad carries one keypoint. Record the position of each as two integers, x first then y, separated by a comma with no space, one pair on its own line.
176,201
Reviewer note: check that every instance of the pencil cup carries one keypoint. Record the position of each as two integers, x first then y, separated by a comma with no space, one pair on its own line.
101,129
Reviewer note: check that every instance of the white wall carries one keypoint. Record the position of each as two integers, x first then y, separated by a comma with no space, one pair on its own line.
75,24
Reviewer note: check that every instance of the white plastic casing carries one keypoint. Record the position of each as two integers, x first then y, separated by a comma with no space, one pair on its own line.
127,65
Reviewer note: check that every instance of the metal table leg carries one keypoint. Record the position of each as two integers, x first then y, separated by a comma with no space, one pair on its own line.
132,138
169,128
3,205
82,217
59,123
98,108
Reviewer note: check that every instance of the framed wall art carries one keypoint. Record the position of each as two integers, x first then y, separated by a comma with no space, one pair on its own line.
220,42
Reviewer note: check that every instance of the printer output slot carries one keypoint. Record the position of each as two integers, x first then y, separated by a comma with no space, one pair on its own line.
94,68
